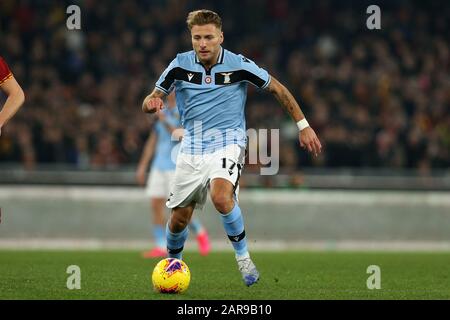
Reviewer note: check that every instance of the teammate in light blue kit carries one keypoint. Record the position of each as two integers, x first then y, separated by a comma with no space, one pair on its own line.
211,88
164,150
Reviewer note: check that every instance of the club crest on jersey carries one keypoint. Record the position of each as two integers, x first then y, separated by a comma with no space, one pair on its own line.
208,79
226,77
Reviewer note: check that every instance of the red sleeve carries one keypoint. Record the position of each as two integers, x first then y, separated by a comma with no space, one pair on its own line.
5,73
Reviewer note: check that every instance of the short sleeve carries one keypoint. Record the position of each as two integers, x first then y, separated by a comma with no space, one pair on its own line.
5,72
167,78
254,74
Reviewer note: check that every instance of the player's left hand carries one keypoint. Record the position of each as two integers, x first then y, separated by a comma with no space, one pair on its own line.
309,141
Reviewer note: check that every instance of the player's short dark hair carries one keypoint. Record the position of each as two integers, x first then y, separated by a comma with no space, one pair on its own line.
202,17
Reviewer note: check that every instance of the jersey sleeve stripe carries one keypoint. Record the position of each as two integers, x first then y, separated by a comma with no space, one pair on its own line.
162,89
267,83
9,76
257,81
168,80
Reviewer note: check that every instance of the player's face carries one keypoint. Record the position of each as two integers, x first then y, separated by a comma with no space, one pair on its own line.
206,41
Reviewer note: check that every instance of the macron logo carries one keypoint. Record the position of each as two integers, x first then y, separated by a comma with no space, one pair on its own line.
190,76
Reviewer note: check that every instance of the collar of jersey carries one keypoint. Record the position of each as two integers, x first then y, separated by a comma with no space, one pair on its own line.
219,60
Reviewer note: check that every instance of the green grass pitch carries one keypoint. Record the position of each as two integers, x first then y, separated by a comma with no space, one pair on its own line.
284,275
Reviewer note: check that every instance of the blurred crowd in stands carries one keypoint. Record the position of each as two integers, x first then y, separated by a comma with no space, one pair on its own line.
376,98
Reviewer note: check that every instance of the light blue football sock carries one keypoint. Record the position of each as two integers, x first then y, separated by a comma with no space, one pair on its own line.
233,223
159,235
175,242
195,226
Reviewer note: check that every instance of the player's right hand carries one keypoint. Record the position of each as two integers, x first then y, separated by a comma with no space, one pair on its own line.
309,141
154,105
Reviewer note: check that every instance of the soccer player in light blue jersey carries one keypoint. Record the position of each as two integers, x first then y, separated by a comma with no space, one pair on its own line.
161,149
211,88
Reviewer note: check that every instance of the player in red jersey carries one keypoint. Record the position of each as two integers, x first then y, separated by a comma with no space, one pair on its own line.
14,92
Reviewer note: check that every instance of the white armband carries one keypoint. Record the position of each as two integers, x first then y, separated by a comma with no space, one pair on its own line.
302,124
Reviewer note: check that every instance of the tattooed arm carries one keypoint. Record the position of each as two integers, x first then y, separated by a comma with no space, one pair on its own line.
153,102
307,137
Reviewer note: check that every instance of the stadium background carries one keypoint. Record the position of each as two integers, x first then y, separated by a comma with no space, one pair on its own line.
378,99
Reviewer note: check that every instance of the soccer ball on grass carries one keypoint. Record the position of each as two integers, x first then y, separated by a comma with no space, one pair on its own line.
171,276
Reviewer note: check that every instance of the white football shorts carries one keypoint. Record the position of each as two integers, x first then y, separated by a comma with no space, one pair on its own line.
159,183
193,174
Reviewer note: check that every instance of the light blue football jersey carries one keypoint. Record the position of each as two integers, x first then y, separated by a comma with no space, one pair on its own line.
211,102
166,150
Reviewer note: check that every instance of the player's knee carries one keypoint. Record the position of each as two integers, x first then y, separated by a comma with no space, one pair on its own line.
222,202
177,226
178,223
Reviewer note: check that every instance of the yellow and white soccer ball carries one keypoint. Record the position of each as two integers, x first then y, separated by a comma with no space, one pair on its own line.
171,276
